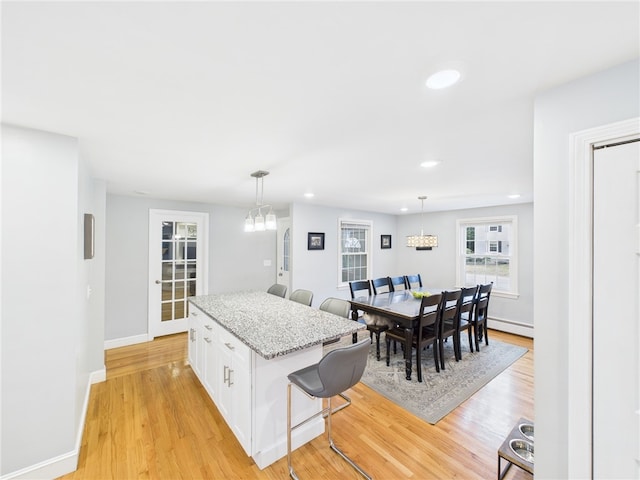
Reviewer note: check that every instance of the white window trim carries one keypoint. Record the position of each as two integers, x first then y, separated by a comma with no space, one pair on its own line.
367,223
513,246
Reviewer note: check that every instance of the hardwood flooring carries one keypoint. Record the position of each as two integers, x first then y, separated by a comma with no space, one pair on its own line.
152,419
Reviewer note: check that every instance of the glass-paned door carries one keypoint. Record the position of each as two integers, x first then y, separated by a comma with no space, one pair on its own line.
177,247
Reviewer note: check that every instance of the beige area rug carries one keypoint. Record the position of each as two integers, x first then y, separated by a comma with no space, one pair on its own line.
439,393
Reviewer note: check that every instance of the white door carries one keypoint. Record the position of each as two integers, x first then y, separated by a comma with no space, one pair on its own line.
616,317
177,267
283,257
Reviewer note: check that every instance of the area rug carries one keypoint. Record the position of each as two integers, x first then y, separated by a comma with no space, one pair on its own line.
439,393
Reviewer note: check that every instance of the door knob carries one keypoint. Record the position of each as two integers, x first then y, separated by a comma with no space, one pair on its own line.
158,282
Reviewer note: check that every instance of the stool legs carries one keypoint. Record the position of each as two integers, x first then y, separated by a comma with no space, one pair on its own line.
329,412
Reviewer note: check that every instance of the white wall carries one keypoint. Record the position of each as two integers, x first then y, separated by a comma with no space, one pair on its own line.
236,259
438,266
317,270
606,97
48,341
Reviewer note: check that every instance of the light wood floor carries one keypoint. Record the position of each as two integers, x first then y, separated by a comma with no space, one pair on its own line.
152,419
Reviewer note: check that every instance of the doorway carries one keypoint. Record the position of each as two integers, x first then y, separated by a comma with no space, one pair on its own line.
283,256
178,245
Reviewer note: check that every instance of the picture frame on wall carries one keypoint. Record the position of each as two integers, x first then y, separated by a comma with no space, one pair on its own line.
315,241
385,241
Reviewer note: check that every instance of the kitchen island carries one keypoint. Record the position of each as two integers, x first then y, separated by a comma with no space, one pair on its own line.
242,346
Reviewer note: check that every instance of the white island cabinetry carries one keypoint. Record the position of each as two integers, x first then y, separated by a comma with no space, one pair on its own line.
242,346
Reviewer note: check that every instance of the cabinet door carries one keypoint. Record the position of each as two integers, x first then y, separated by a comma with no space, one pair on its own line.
210,357
240,414
223,396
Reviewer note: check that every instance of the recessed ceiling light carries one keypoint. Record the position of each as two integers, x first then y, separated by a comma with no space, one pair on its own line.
141,192
429,163
404,209
309,195
443,79
514,195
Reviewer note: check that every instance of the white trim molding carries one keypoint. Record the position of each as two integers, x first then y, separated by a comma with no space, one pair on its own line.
126,341
580,353
67,462
510,326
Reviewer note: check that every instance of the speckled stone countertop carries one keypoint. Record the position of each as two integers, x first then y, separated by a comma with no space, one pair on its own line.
273,326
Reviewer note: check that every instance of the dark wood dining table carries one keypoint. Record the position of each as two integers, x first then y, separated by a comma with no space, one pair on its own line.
400,307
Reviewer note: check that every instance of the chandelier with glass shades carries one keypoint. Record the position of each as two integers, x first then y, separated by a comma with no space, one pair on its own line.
255,221
422,241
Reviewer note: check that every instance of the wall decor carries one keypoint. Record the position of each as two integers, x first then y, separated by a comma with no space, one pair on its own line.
315,241
385,241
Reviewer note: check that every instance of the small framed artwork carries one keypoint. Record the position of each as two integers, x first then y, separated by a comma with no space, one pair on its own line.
385,241
315,241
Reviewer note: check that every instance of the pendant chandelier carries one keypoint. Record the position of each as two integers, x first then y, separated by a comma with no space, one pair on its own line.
422,241
255,221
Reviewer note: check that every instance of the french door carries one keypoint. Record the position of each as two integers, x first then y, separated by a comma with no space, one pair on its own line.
177,267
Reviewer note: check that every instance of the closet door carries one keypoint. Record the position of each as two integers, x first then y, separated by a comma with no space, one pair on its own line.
616,319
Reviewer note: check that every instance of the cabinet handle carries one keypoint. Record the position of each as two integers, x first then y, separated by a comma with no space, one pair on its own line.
192,334
195,314
229,346
230,382
226,372
207,339
208,327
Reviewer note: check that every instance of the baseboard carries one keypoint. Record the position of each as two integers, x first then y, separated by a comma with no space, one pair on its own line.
67,462
125,341
509,326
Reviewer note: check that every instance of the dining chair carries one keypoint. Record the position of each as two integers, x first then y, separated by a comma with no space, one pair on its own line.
424,334
304,297
467,304
337,371
413,281
398,283
360,287
381,285
278,290
480,315
449,321
337,306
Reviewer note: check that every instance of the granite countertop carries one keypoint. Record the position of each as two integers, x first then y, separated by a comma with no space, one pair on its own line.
273,326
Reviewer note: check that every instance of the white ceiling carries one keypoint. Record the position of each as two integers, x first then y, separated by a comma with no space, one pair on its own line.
185,100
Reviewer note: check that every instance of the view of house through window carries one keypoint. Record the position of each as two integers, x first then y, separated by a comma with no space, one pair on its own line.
355,250
488,253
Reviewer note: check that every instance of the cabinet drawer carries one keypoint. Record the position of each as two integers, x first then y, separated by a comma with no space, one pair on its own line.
195,312
240,352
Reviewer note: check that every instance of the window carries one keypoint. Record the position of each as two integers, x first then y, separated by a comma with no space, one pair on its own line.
286,245
354,251
488,253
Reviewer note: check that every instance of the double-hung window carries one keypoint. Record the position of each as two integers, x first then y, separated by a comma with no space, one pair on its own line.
487,252
354,250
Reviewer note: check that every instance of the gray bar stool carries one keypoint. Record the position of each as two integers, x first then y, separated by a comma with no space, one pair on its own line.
339,370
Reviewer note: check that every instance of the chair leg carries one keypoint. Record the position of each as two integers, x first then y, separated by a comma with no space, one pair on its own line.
457,352
470,339
292,473
378,346
441,347
337,450
486,333
419,363
435,357
388,343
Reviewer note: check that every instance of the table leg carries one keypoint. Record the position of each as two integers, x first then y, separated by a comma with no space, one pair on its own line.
408,334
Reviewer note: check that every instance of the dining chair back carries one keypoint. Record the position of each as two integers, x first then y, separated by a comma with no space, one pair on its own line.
278,290
398,283
413,281
425,333
304,297
358,288
480,314
467,304
374,325
449,322
337,306
381,285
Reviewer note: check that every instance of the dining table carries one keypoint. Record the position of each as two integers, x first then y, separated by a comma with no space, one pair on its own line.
399,306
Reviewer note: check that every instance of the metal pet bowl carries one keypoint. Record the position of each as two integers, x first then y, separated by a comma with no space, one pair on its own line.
526,429
522,449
